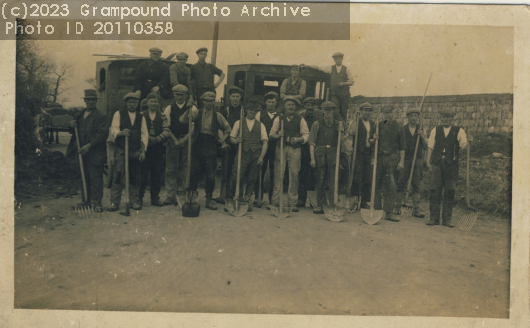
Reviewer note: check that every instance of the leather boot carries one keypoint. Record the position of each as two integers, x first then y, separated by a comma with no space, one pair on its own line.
434,206
210,203
416,197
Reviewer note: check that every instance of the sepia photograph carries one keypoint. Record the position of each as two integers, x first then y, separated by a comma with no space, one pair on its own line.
371,175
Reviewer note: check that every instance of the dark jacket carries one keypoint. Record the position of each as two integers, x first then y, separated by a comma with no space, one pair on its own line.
361,136
150,74
96,131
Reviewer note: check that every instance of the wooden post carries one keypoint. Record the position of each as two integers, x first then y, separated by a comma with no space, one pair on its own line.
214,46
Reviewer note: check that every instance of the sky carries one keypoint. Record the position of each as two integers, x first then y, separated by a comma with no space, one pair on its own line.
386,60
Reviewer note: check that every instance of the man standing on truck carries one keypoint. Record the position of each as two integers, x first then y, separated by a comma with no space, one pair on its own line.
202,76
293,86
295,133
93,131
152,75
179,73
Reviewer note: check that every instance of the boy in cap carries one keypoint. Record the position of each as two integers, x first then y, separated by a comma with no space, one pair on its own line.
412,131
158,129
323,149
295,134
293,86
152,75
445,143
267,117
231,113
202,76
362,175
93,131
253,149
390,156
177,145
208,123
179,73
128,122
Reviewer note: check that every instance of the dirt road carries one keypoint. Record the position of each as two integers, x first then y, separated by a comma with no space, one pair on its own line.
156,260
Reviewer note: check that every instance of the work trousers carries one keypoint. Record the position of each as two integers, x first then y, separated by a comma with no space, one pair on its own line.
93,180
307,176
232,158
249,170
444,178
118,182
343,104
152,166
204,163
385,181
362,176
404,176
291,159
176,168
268,161
325,173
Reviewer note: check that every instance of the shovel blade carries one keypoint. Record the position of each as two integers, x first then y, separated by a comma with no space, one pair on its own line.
236,208
334,213
191,210
467,221
279,213
371,216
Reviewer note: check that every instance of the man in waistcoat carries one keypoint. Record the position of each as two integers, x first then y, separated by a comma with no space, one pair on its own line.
231,113
295,134
93,131
253,149
179,73
390,157
293,86
445,143
362,175
307,178
152,75
208,123
202,76
412,131
323,151
267,117
128,122
339,86
177,146
158,129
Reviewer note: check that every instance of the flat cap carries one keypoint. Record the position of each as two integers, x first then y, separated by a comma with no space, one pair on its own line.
337,54
182,55
201,50
155,49
152,95
388,108
253,104
309,100
269,95
208,96
413,110
234,89
447,111
180,88
328,105
132,95
295,100
366,106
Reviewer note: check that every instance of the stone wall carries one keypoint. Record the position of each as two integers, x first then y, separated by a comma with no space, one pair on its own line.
481,113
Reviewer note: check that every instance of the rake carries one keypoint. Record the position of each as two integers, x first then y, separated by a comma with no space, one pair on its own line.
83,209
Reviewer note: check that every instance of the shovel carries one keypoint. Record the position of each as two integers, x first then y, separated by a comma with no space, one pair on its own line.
259,201
469,216
336,213
280,212
372,216
181,199
234,206
127,206
83,209
189,209
405,207
353,203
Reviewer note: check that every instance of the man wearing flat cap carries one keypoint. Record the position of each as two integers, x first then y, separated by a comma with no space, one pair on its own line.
254,143
267,117
93,131
323,141
152,75
362,175
128,122
443,154
206,138
295,133
202,76
231,113
179,73
412,132
293,86
390,157
177,145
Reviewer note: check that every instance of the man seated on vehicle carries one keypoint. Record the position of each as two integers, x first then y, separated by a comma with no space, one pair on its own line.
293,86
152,75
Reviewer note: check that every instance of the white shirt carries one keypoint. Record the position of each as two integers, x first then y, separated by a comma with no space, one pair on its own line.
258,115
250,124
115,128
461,137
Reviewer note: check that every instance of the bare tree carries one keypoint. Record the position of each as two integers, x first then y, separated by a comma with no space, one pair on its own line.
59,76
92,82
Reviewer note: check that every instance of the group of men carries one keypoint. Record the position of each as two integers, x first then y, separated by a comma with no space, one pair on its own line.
310,139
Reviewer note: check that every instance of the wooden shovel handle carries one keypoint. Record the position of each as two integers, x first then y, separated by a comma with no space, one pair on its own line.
337,166
81,167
